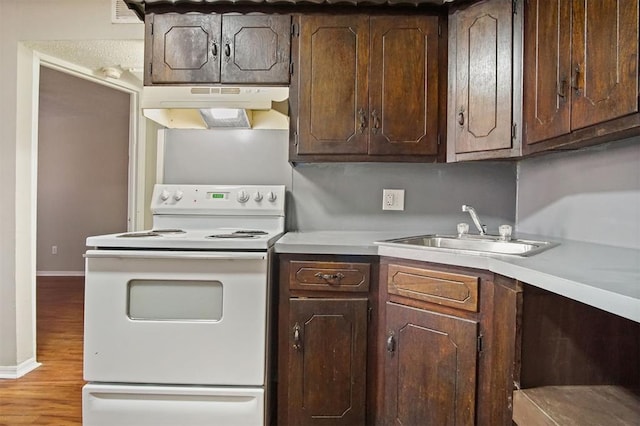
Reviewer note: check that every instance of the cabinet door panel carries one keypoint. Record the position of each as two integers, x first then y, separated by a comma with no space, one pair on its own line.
403,88
333,84
186,48
430,368
483,105
256,48
605,60
327,361
547,69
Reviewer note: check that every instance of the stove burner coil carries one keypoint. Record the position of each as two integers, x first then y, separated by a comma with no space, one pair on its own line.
139,234
239,234
168,231
152,233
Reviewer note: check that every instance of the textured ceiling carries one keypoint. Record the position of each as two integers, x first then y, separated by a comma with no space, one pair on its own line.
124,55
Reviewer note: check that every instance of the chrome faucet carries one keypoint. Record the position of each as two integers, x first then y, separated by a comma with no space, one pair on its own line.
476,220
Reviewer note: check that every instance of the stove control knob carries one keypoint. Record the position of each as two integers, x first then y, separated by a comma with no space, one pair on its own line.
164,195
271,196
257,196
178,195
243,196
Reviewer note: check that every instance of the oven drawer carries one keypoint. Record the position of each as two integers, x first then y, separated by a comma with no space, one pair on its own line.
144,405
329,276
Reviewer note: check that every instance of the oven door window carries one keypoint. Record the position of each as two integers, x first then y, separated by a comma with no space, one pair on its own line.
174,300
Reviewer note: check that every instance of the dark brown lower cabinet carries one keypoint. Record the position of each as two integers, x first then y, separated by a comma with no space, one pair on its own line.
327,361
430,368
445,346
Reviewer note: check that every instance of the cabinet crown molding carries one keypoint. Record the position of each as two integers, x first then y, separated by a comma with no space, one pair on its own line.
140,6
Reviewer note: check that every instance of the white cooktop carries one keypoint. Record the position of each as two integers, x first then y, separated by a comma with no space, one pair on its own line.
207,217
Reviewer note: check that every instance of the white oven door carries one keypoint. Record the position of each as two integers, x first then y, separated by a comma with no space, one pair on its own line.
175,317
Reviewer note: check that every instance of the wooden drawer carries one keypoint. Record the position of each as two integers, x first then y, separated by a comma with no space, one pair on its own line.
329,276
443,288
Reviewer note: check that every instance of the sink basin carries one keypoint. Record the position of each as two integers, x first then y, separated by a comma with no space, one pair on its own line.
476,244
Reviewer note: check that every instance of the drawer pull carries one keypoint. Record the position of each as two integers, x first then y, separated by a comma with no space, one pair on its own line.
391,343
297,343
330,278
376,122
363,120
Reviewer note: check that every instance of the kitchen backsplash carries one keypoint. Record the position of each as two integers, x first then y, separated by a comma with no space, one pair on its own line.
348,196
589,195
344,196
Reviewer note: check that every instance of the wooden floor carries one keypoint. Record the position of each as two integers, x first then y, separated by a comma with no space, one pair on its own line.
51,394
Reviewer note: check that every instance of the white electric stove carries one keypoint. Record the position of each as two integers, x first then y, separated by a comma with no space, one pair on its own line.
176,317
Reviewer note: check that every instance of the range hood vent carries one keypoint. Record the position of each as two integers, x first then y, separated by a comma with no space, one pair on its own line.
203,107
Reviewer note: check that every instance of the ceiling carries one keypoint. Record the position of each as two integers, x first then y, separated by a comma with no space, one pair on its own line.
107,58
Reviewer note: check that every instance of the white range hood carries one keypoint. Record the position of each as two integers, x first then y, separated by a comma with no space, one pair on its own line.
204,107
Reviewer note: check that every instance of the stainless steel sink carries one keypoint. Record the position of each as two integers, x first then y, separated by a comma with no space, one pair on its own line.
476,244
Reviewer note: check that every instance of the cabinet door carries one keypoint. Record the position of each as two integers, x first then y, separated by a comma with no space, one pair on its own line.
256,48
403,86
430,368
482,107
604,60
186,48
547,69
327,361
333,99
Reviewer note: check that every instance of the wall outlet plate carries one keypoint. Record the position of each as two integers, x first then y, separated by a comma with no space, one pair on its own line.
393,199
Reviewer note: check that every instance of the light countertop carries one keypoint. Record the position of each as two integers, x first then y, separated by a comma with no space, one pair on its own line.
602,276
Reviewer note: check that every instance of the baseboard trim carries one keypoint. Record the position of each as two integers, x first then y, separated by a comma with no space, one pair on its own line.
60,273
17,371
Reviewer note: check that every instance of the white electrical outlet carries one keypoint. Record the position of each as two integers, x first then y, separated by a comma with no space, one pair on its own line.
393,199
54,249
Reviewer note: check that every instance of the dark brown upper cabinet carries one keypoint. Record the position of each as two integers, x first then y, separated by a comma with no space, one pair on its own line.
484,75
211,48
580,70
366,89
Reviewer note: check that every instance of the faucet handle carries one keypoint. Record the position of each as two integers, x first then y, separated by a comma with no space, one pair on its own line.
463,228
505,232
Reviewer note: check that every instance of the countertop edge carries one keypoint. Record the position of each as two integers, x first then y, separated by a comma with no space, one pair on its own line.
522,269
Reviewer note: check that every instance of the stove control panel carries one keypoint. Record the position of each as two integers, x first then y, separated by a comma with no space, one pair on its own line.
218,199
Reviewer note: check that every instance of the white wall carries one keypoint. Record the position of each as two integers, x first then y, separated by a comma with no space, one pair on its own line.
21,21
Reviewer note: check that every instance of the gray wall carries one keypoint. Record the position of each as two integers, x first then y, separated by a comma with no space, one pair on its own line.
83,158
343,196
349,196
226,157
589,195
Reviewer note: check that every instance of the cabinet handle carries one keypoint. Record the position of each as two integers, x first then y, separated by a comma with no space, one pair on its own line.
391,343
563,89
297,343
214,49
576,80
461,116
330,277
363,120
376,121
227,49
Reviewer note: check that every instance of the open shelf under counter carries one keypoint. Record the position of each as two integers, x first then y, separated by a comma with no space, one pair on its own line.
576,406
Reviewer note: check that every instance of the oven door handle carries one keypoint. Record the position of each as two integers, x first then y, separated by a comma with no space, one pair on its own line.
168,254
